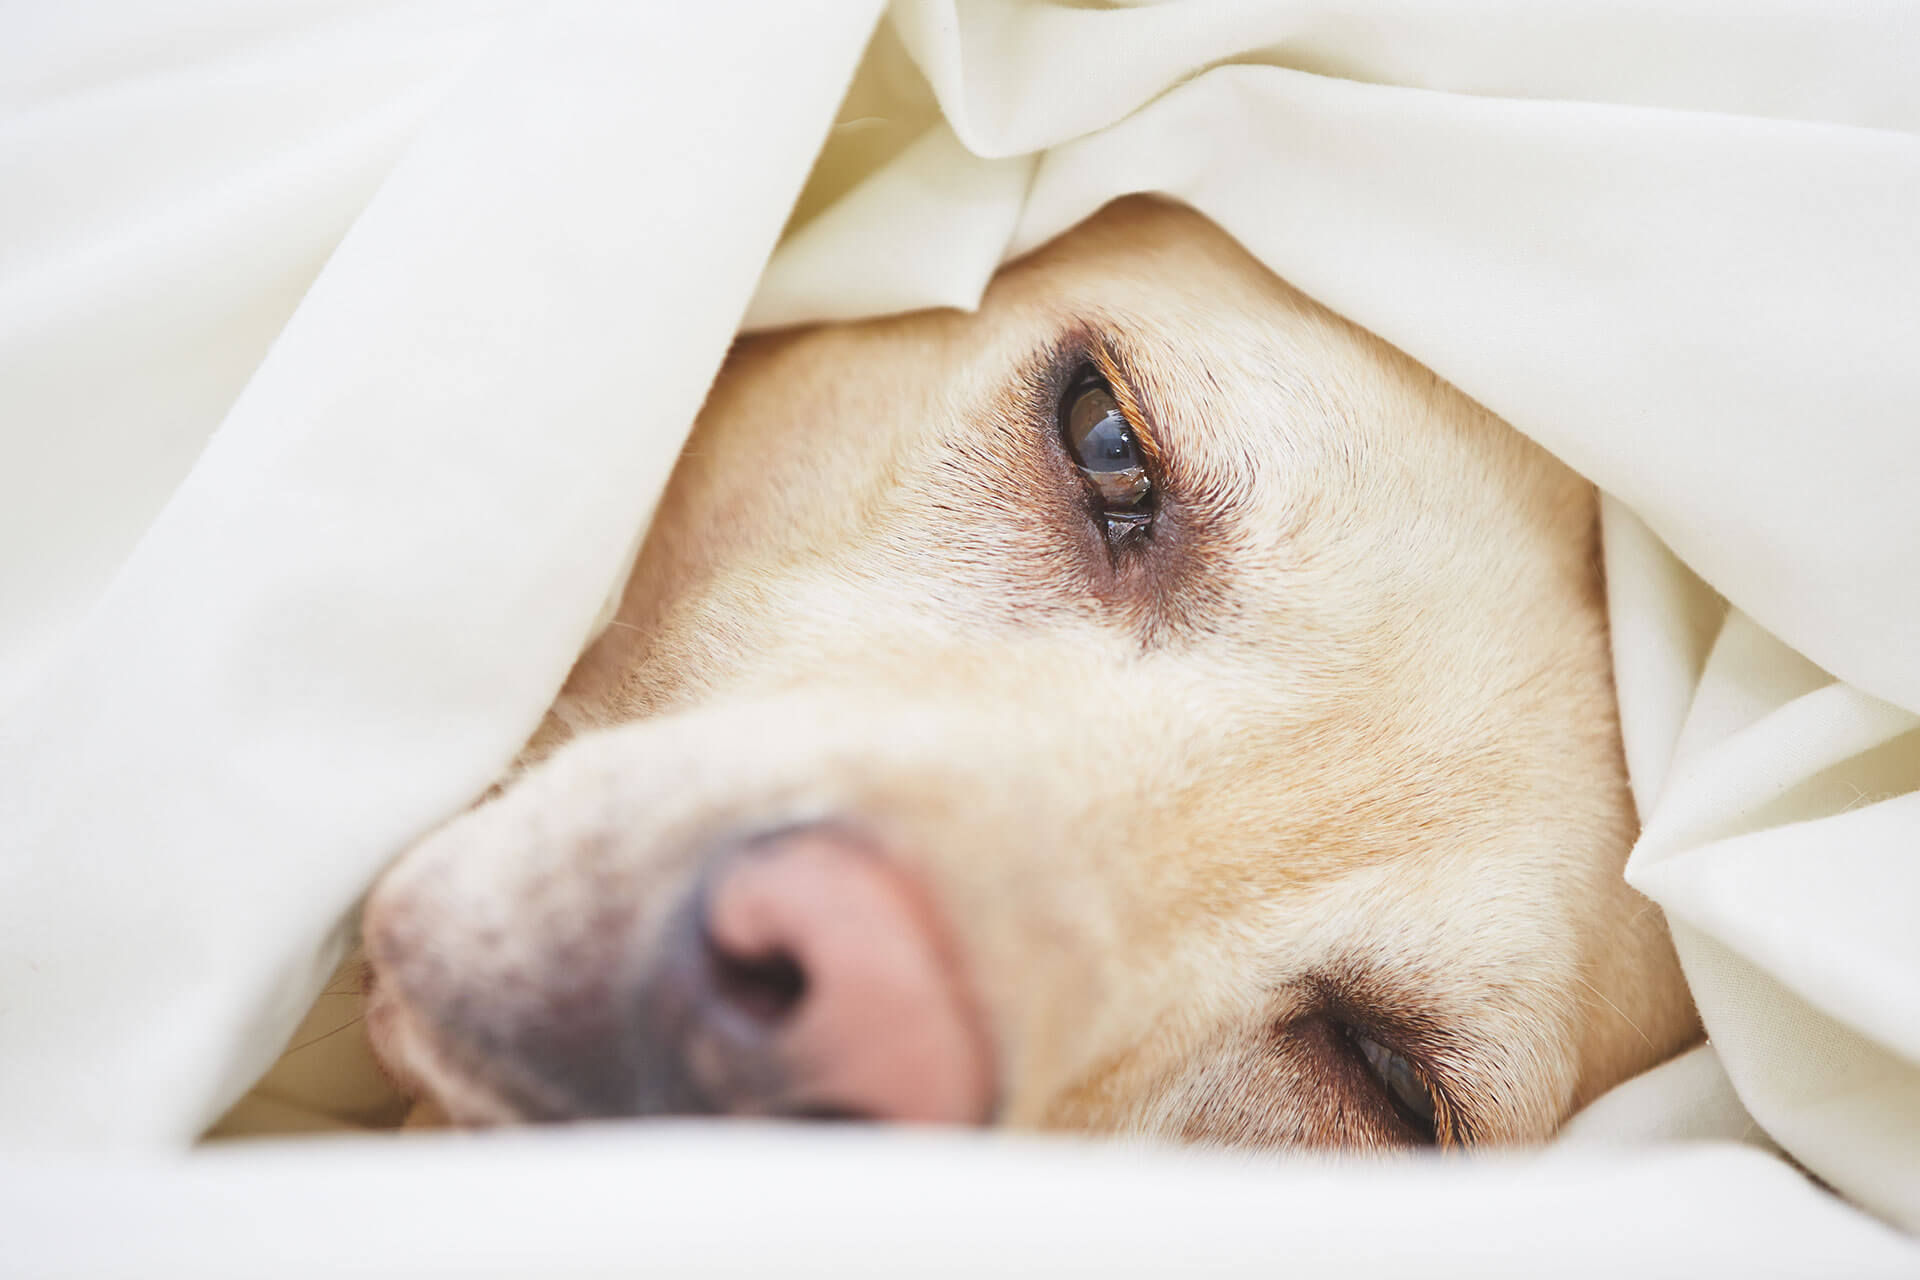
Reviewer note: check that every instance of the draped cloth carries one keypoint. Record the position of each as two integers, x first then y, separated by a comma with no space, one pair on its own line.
345,349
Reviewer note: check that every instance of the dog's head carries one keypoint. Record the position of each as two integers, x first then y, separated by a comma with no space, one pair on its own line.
1148,704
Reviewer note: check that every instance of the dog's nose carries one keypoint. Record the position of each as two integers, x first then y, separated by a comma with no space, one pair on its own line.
823,978
805,975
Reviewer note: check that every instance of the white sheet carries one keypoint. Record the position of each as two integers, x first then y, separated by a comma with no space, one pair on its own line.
718,1200
1674,244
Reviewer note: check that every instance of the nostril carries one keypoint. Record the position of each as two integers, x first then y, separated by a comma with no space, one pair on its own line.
806,977
767,987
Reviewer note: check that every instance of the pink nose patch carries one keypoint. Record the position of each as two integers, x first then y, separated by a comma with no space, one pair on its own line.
838,954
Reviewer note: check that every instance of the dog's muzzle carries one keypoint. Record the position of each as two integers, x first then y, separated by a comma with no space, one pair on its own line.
802,975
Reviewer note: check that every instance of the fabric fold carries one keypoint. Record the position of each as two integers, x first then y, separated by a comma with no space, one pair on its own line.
380,569
1675,248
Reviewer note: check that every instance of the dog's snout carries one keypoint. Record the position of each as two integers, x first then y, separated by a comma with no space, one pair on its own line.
809,976
802,974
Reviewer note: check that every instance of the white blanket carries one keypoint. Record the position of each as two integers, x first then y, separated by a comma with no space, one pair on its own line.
474,265
671,1200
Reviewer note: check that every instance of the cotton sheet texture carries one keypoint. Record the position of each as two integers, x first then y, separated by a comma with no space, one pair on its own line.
345,348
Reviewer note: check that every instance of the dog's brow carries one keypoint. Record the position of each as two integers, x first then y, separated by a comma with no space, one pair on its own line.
1184,411
1117,367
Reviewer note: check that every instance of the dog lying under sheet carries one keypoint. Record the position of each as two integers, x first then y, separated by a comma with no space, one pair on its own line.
1148,705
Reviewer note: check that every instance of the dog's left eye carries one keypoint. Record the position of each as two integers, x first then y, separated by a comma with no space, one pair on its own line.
1106,448
1403,1085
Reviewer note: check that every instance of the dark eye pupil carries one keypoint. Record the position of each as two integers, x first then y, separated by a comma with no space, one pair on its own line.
1110,445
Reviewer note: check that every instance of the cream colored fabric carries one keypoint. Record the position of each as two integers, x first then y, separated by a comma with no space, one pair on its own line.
376,574
1676,244
746,1201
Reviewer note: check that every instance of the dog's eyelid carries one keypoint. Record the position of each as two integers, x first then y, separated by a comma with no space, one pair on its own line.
1361,1009
1405,1081
1112,364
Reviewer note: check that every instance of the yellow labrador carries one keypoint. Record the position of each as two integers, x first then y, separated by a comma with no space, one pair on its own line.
1149,705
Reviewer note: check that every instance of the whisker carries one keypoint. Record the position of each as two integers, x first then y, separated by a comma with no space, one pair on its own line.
1617,1009
304,1044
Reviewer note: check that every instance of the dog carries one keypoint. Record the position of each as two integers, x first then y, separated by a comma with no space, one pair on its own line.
1146,705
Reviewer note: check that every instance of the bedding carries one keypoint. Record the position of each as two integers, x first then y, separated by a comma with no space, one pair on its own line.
706,1200
346,348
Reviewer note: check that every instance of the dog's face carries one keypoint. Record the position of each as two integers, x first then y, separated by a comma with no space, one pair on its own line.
1148,704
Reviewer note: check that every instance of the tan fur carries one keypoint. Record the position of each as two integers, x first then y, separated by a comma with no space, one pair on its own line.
1341,743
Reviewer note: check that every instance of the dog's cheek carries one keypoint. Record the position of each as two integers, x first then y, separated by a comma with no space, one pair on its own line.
1256,1087
1119,1099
